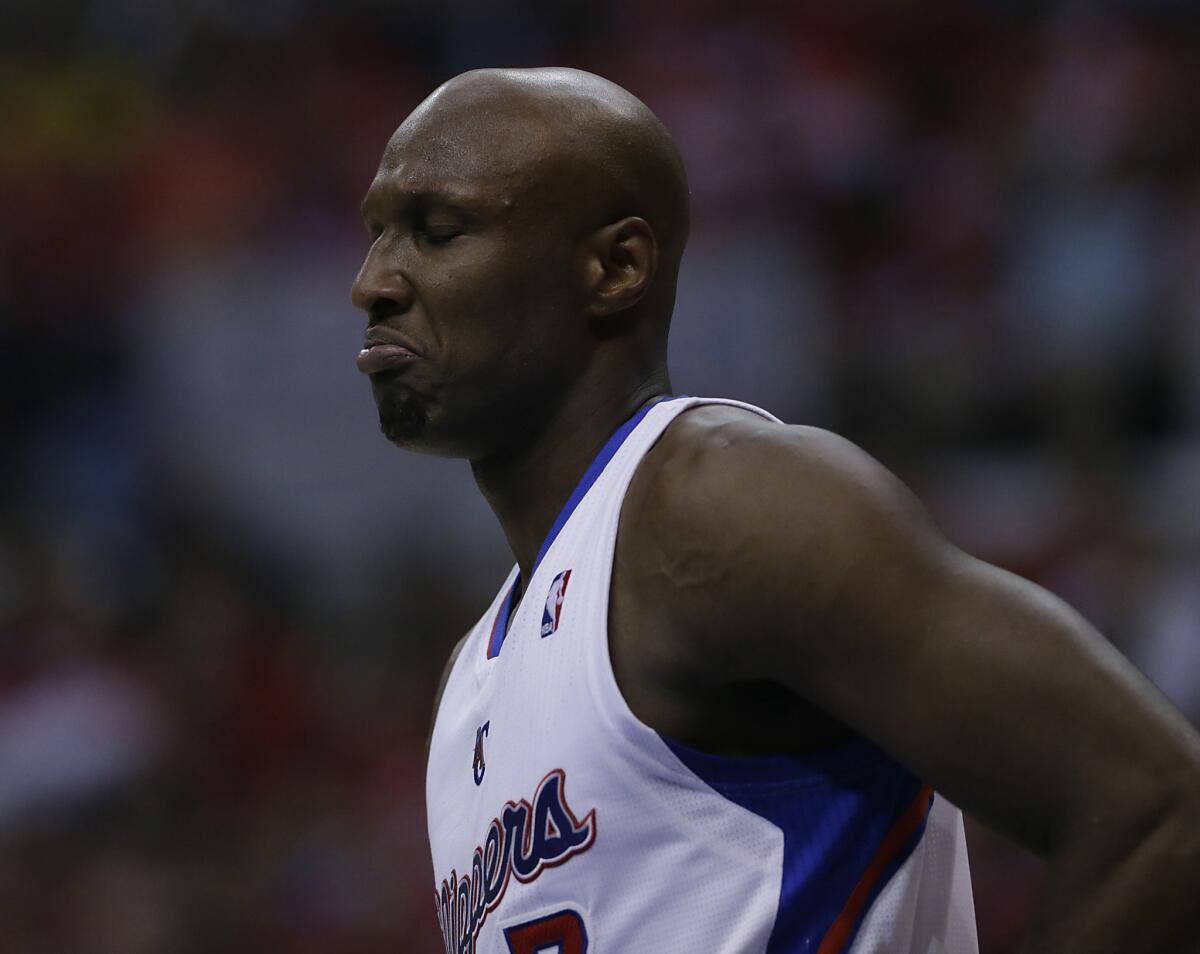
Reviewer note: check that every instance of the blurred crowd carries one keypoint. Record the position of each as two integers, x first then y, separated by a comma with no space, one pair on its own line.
964,234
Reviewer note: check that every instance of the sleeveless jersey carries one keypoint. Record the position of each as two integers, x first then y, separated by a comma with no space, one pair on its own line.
561,824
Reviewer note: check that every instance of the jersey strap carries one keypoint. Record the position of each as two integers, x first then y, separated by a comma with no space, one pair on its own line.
595,469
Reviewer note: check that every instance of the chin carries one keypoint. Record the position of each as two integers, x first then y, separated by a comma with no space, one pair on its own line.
403,417
405,420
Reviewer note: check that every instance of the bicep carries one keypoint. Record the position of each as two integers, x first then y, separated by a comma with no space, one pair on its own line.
831,580
995,691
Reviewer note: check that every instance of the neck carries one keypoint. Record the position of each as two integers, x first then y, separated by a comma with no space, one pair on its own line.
528,489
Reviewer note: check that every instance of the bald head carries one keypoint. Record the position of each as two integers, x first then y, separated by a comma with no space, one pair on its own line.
527,228
568,141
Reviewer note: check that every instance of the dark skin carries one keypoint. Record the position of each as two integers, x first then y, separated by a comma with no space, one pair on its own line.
822,603
532,311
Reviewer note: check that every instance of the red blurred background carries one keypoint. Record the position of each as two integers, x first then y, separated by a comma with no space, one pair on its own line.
964,234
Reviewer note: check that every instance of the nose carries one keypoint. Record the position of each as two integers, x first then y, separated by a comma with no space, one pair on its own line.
379,289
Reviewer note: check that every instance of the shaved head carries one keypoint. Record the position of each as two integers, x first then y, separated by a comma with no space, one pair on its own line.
527,228
566,139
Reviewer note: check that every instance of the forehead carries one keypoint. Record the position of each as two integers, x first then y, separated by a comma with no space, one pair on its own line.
408,182
481,159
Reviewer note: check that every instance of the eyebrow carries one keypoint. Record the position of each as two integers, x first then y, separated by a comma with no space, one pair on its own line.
424,197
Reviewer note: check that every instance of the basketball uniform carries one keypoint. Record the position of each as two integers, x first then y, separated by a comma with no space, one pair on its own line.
561,824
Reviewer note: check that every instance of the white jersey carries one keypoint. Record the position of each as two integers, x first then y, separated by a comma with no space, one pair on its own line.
561,823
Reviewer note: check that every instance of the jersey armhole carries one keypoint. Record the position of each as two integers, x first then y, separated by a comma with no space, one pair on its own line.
640,741
441,689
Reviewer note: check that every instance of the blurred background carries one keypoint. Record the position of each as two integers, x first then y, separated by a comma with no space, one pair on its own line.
964,234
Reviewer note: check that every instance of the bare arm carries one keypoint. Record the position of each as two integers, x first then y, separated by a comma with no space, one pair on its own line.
788,554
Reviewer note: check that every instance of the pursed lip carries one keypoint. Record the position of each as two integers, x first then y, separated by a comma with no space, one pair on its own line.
385,350
380,335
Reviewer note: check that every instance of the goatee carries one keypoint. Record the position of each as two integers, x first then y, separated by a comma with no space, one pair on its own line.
402,417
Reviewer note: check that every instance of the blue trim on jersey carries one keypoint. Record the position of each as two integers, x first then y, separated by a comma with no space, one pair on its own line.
610,448
894,865
500,626
835,807
595,469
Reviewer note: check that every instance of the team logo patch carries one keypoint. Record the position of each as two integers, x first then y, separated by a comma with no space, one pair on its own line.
552,613
478,765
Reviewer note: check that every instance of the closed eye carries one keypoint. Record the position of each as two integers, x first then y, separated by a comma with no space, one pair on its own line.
439,236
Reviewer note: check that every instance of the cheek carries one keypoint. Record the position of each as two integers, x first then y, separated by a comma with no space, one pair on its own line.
501,308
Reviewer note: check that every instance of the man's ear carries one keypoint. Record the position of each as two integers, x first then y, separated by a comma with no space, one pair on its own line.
621,260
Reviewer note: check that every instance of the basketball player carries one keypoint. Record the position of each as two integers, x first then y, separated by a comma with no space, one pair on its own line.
728,697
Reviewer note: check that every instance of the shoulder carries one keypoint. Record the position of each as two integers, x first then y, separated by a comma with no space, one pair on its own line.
723,473
736,524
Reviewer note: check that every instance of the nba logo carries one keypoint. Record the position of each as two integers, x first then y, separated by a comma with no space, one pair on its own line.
554,601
